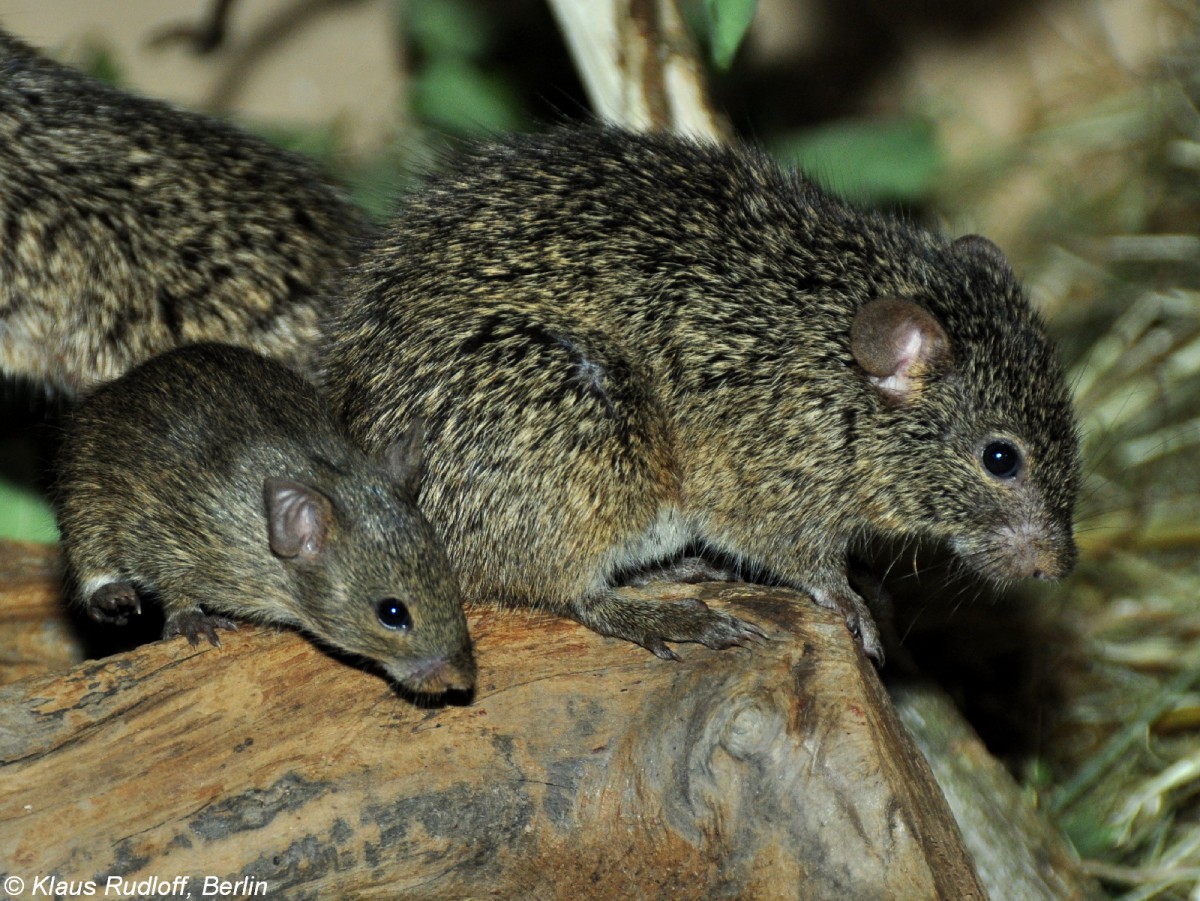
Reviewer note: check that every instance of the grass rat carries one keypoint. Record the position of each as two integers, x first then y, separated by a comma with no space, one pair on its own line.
130,227
217,481
625,346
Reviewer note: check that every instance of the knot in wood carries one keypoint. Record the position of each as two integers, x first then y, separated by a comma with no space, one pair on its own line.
750,730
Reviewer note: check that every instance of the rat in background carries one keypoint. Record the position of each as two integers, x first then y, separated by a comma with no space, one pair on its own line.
217,482
131,227
627,348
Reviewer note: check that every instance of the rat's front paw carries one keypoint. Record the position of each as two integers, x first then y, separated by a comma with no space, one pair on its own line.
194,623
113,602
858,619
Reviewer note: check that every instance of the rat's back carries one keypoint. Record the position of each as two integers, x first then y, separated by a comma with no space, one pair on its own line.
163,468
131,227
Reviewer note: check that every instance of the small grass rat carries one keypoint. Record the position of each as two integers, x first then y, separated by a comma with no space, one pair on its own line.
218,482
130,227
627,346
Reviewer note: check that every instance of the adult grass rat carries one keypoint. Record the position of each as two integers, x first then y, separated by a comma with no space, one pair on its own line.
626,347
217,481
130,227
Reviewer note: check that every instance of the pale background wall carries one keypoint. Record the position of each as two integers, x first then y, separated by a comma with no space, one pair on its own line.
286,61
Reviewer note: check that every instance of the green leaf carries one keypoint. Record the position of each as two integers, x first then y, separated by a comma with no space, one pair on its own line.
728,22
322,143
100,61
868,161
25,515
444,28
456,96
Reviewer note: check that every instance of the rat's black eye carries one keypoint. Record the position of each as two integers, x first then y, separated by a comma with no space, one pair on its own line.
393,614
1002,459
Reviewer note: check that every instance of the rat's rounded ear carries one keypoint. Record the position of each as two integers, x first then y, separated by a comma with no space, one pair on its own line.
981,248
402,458
899,344
299,519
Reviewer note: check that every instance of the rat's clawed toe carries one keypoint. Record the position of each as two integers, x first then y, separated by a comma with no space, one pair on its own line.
714,628
659,649
871,644
753,633
739,632
858,620
194,623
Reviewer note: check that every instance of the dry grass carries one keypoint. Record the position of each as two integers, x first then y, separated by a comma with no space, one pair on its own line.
1098,195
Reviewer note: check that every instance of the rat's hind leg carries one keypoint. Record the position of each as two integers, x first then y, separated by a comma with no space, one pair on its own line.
684,569
100,577
550,467
110,599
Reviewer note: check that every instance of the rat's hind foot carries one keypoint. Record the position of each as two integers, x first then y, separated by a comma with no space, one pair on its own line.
113,602
193,623
653,623
685,569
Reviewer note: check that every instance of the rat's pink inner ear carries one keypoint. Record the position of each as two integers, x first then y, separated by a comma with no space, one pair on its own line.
899,344
298,518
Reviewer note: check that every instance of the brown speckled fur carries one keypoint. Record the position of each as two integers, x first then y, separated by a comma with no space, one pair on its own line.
623,346
128,227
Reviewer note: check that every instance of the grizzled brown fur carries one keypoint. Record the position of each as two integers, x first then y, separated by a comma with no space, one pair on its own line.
626,347
128,227
217,482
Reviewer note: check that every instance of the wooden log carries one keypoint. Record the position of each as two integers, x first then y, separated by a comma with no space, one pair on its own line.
1017,852
582,768
36,634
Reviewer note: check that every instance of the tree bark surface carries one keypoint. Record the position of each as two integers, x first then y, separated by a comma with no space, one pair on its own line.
582,767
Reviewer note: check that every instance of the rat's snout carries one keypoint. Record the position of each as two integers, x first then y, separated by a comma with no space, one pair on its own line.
436,674
1030,551
1057,563
1025,549
1049,566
